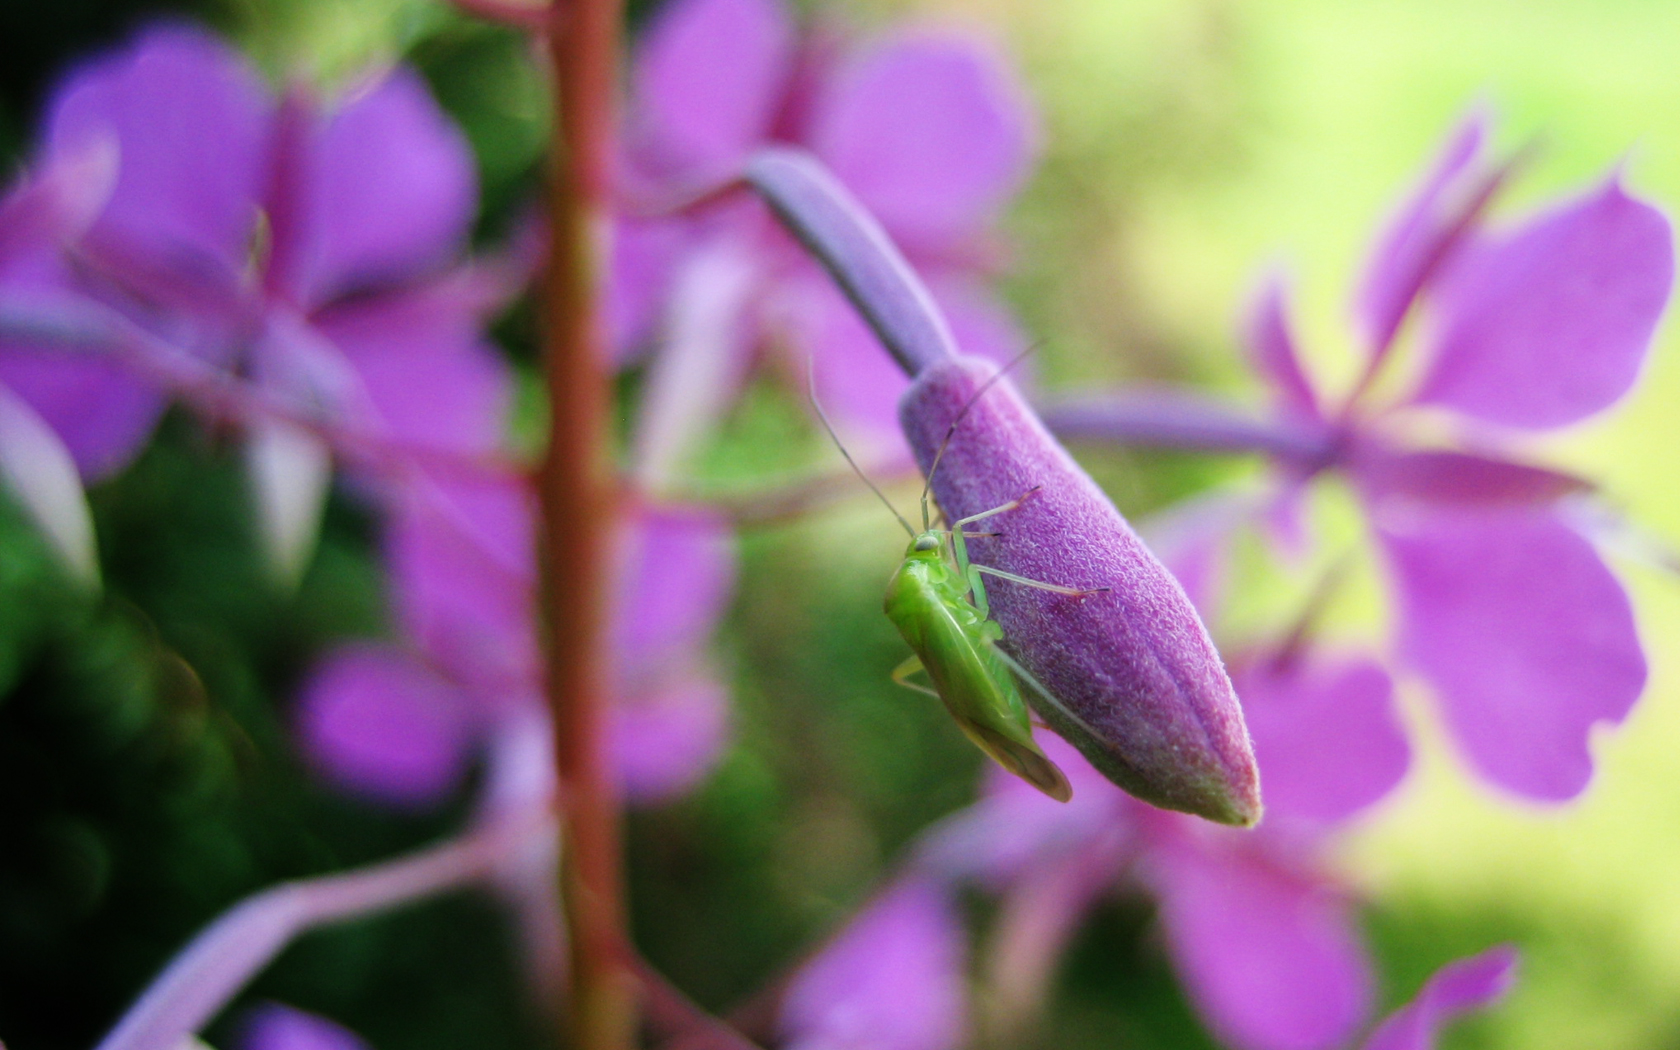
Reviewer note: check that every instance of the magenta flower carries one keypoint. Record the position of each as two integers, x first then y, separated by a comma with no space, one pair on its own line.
1264,937
1510,614
399,723
1501,604
305,248
273,1026
892,979
928,130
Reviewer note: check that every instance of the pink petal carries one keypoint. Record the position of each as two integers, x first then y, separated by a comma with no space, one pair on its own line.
431,380
1271,349
192,124
1527,637
386,190
101,411
698,373
667,738
1015,829
644,254
708,81
932,133
380,724
892,980
1270,953
1456,988
1416,238
1325,734
56,206
1549,323
1463,479
676,577
276,1027
462,559
38,471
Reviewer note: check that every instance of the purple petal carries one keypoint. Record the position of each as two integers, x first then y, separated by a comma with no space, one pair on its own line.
1015,829
430,379
1459,987
932,133
1459,479
1037,918
276,1027
892,980
1271,349
101,411
708,82
698,373
1417,236
462,570
386,190
643,256
192,124
40,474
56,206
665,739
1325,734
1549,323
377,723
677,574
1140,690
1270,953
1526,636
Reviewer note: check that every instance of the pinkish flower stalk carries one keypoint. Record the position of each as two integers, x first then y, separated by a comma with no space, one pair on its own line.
857,253
227,954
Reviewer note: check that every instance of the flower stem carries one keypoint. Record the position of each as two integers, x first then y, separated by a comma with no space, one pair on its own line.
229,952
578,510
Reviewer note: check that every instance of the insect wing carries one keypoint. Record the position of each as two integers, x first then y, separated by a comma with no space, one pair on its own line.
955,649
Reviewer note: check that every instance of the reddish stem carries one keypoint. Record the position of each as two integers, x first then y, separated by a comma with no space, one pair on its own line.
578,511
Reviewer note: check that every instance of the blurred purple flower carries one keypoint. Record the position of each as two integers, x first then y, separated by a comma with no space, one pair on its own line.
306,248
274,1026
1510,614
1458,987
399,722
930,132
891,980
1501,604
1263,936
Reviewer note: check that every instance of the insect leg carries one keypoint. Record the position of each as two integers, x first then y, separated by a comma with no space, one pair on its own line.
957,525
1076,592
1038,687
901,675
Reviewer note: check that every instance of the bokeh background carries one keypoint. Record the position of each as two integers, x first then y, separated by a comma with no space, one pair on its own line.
146,779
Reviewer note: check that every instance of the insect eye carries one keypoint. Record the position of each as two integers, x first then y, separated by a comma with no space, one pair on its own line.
927,543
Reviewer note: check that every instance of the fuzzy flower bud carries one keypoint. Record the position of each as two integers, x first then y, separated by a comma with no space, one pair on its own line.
1140,690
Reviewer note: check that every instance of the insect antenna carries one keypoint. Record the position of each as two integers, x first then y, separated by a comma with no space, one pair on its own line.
811,382
951,431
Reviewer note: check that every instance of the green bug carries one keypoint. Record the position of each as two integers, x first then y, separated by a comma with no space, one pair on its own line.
937,601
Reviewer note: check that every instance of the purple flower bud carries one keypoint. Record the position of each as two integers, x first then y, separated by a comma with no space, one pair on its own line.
1141,691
